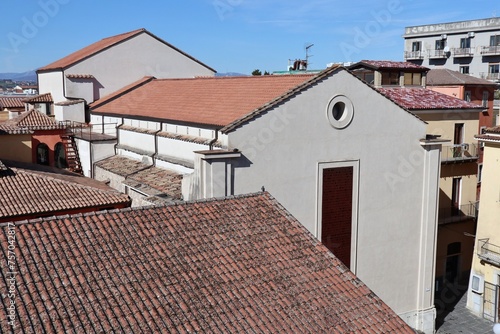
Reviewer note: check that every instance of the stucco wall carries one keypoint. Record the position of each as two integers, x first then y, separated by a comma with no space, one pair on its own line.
16,147
130,61
52,82
283,150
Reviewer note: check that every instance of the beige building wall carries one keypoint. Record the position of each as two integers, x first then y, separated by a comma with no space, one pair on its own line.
488,228
16,147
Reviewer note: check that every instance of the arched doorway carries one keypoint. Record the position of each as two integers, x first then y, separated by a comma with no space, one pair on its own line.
42,154
60,156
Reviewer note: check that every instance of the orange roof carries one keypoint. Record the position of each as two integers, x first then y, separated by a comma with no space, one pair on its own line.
102,45
214,101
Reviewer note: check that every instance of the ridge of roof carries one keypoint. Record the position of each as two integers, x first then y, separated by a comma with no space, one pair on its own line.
90,50
33,120
104,44
46,97
124,90
389,64
291,92
445,76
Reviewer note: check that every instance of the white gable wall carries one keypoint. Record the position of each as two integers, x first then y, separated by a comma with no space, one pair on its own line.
133,59
52,82
285,149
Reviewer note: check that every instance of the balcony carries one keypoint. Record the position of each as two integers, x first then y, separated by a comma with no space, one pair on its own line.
463,52
92,132
459,153
414,55
488,252
437,54
458,214
490,50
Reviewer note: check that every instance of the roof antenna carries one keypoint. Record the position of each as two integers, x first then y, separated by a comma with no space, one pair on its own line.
307,52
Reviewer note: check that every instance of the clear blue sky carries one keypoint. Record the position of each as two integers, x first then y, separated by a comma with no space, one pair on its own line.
227,35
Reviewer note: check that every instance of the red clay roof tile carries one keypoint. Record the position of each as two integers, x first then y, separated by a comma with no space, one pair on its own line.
31,190
31,120
216,101
425,99
138,270
11,102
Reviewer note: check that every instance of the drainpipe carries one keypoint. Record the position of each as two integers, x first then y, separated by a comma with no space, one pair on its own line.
212,142
155,155
118,135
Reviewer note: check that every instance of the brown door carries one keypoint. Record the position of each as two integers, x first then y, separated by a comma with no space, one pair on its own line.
336,220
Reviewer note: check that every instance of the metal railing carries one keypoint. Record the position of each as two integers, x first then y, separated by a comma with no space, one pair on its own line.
436,53
459,213
463,52
414,54
488,252
459,152
490,50
91,131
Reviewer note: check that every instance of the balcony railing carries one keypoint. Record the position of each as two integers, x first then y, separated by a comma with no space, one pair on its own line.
460,213
488,252
463,52
91,132
490,50
436,53
459,152
414,55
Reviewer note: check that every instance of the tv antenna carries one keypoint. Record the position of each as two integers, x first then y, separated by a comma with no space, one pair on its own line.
307,47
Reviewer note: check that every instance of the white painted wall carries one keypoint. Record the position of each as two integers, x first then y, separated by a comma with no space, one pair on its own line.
52,82
130,61
284,148
80,88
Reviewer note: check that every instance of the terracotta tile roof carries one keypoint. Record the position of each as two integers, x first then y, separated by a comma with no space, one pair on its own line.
442,77
11,102
215,101
28,190
387,64
490,134
149,179
236,265
69,102
32,120
47,97
425,99
102,45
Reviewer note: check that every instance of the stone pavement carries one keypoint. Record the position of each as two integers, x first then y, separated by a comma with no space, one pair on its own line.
461,320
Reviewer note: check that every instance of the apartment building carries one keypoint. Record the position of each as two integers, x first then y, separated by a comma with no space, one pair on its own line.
470,47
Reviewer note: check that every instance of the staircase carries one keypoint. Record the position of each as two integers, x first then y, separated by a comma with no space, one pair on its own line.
71,152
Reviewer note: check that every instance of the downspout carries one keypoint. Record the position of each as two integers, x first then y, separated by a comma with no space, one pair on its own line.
212,142
118,135
155,155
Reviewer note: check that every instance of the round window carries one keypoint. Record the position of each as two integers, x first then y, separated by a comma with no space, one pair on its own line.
340,111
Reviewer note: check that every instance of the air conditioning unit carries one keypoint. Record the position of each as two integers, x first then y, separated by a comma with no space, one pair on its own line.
444,36
465,147
471,34
477,284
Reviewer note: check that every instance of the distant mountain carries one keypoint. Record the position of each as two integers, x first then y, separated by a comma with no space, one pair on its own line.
25,76
230,74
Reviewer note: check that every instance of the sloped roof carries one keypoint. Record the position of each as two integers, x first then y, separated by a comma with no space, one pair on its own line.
32,190
32,120
47,97
235,265
443,76
144,176
11,102
425,99
215,101
388,64
102,45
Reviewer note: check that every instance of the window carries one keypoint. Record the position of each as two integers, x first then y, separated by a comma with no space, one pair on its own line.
440,44
390,78
495,40
415,46
42,154
479,172
468,96
340,111
464,69
485,99
465,43
60,156
412,79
